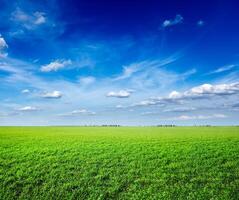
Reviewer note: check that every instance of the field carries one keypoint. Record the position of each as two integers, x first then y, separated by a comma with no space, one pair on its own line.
119,163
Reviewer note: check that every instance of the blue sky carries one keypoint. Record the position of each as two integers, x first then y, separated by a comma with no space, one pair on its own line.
119,62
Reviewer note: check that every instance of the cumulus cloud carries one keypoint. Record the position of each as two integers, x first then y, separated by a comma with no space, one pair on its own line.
28,108
3,43
171,22
39,18
223,69
174,95
120,94
52,95
3,47
207,90
55,65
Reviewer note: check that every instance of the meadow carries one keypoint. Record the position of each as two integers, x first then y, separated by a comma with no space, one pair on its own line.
119,163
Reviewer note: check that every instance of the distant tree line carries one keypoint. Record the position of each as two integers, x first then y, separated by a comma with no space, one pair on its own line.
166,125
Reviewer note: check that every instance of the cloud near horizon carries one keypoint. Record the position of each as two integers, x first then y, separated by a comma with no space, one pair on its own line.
199,117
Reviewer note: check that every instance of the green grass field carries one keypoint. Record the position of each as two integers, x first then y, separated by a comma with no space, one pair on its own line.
119,163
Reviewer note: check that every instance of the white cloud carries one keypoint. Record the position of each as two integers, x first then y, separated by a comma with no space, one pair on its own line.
119,94
119,106
78,112
82,111
145,65
199,117
159,101
151,74
180,109
150,113
129,70
223,69
55,65
171,22
174,95
200,23
188,73
3,43
146,103
207,90
25,91
52,95
220,89
3,47
28,21
219,115
28,108
39,18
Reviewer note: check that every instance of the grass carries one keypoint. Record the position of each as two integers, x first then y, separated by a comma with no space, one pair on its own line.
119,163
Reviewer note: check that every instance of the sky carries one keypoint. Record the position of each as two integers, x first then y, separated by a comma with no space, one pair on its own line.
128,62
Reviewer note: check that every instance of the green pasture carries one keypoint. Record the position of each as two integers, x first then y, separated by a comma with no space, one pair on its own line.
119,163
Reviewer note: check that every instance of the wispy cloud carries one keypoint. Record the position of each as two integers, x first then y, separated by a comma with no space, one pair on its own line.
223,69
145,103
119,94
82,111
171,22
204,91
133,68
171,110
150,113
198,117
56,65
77,113
28,108
28,21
